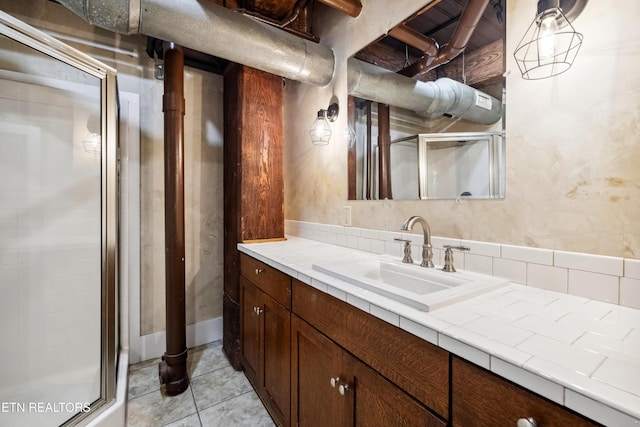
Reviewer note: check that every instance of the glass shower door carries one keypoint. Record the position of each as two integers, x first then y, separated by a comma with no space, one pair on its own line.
57,230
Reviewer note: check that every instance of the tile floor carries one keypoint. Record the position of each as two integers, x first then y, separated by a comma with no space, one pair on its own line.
217,395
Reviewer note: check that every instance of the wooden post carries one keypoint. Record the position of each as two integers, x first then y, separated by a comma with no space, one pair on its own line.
253,179
384,151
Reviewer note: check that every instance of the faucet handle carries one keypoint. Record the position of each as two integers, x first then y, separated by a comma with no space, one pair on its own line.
448,257
407,250
459,248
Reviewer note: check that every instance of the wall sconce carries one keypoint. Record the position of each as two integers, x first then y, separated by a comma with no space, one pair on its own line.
92,143
550,44
321,129
350,135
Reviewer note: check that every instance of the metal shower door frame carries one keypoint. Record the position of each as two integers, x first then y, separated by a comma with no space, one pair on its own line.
36,39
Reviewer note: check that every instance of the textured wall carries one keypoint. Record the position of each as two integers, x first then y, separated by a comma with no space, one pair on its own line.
573,147
203,201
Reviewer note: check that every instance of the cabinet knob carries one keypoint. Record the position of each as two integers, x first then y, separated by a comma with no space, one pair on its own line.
343,388
334,381
526,422
257,310
259,270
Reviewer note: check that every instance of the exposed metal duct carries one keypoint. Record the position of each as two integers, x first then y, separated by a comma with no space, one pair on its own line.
207,27
444,96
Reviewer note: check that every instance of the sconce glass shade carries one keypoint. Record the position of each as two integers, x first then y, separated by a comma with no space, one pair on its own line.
350,135
550,44
92,143
321,129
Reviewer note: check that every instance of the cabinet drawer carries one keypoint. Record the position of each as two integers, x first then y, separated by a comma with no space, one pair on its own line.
416,366
480,397
273,282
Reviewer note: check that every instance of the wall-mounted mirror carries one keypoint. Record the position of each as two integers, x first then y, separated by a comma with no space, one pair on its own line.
461,40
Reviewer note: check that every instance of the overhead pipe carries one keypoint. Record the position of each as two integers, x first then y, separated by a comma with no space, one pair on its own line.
350,7
173,367
441,97
203,26
195,23
467,24
414,38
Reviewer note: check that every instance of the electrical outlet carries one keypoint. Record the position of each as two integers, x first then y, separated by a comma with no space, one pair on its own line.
346,216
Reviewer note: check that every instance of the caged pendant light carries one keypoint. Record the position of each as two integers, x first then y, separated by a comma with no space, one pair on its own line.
321,131
550,44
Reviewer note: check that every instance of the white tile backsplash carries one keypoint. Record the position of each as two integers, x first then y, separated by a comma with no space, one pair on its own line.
630,292
516,271
603,278
601,287
478,263
547,277
632,268
482,248
588,262
521,253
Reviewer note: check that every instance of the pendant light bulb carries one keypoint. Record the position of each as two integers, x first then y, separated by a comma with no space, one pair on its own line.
547,37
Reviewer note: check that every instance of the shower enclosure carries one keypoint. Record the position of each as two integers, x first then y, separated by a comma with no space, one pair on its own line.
58,230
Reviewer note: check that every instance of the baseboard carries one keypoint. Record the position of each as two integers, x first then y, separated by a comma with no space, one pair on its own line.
154,345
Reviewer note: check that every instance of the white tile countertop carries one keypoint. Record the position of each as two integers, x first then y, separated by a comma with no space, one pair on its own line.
580,353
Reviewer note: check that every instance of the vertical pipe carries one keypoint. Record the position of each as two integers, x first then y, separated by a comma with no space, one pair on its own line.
173,368
384,151
369,148
351,150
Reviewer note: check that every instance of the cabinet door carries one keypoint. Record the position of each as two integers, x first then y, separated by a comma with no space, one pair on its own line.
316,360
250,345
379,403
276,370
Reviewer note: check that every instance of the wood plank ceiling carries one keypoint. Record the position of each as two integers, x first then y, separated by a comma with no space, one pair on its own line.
481,65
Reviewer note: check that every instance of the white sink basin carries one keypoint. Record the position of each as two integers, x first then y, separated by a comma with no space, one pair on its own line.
426,289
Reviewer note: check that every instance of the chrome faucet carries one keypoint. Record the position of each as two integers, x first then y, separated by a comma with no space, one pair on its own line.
427,249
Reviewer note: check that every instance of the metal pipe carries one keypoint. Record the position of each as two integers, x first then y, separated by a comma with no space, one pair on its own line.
464,30
173,367
194,23
350,7
431,99
416,39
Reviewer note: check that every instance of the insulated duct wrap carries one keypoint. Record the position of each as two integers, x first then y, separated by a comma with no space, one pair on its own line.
444,96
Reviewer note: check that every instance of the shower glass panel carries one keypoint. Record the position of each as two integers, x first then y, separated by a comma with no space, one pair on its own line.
57,263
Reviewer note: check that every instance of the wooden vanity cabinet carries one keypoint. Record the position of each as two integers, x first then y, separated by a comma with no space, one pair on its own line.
392,378
481,398
330,387
265,335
